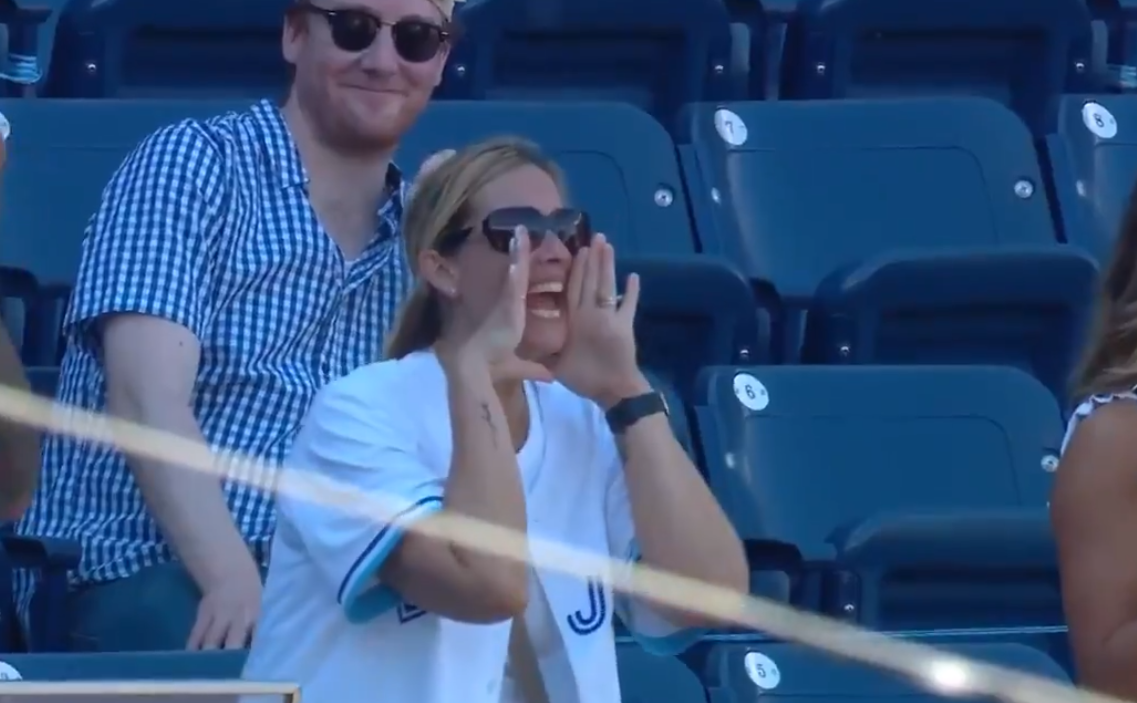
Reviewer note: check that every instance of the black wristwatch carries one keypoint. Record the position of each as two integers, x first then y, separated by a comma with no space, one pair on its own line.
629,411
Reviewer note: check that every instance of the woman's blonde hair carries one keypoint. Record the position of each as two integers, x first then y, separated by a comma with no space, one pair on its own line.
440,204
1109,363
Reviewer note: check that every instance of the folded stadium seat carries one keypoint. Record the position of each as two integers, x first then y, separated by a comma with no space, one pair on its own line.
48,629
18,292
137,666
694,311
788,673
43,380
1119,18
904,497
33,314
656,56
142,49
1093,162
768,22
910,230
620,163
43,331
1053,641
61,156
24,27
1022,53
645,678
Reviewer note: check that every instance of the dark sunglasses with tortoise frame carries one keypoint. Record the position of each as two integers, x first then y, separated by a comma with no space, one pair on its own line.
573,227
416,39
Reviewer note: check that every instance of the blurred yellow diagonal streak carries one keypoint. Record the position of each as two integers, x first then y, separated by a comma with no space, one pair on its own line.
940,672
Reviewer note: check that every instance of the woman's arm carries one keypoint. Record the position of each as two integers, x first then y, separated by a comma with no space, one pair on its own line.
19,444
1094,513
484,484
679,525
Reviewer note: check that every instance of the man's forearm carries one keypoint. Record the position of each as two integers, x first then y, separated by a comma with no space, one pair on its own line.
189,505
19,468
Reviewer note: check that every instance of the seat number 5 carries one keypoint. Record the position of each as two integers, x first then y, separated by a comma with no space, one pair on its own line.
762,670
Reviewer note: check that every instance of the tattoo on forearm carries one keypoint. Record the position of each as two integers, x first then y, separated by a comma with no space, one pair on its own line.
488,417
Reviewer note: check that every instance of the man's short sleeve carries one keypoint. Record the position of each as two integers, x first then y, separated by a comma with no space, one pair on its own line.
145,250
356,438
651,630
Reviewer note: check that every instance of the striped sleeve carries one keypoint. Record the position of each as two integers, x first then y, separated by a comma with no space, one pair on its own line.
145,250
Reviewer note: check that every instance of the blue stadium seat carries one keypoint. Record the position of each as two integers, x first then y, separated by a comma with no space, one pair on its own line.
645,678
1053,641
910,230
1022,53
1093,176
52,558
33,312
24,27
1119,18
783,673
906,497
142,49
19,290
61,156
693,312
656,56
620,163
185,666
43,380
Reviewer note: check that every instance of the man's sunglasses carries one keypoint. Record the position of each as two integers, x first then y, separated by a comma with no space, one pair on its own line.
572,227
416,40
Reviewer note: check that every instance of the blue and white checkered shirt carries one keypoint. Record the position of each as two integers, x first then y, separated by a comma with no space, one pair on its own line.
208,224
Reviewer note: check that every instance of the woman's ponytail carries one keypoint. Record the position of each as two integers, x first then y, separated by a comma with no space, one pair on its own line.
418,325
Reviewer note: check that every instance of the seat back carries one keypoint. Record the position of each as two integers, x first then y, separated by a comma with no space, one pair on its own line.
141,666
619,162
1093,160
652,55
19,290
62,153
777,672
855,179
1022,53
43,380
794,454
645,678
693,312
140,49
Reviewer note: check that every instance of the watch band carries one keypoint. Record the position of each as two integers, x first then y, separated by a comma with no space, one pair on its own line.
629,411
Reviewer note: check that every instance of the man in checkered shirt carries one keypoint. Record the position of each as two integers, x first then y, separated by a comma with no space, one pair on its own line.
235,266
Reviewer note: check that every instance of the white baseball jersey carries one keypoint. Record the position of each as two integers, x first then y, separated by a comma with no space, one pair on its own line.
331,625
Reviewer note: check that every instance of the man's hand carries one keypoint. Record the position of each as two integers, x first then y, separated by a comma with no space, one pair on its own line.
229,608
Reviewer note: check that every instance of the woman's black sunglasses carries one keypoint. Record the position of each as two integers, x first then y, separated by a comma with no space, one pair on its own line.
572,227
416,40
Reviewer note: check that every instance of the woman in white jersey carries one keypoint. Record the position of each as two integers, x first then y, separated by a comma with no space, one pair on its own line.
1094,505
512,395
